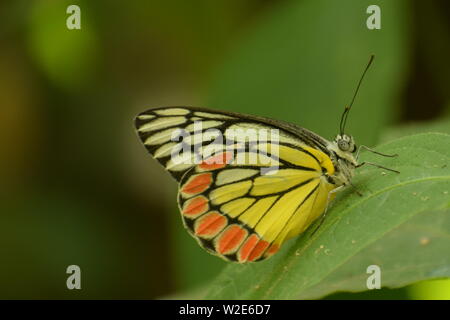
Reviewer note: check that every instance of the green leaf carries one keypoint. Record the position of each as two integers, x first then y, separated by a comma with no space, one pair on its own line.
401,223
426,233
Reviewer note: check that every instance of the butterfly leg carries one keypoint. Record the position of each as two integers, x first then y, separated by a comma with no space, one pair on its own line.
356,190
373,151
376,165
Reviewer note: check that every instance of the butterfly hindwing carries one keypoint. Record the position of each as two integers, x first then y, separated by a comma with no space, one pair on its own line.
243,215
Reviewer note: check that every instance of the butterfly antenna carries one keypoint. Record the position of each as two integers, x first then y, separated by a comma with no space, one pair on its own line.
347,109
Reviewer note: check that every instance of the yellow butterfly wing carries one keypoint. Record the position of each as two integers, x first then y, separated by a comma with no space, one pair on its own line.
241,215
235,209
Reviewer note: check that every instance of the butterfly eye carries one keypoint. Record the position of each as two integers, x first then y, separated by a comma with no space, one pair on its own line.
343,145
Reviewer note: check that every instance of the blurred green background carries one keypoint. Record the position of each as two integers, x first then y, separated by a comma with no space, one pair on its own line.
78,188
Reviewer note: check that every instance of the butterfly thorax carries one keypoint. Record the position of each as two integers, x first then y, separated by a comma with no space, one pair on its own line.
342,149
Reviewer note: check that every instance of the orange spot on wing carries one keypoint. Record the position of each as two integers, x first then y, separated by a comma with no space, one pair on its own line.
230,239
272,250
195,206
216,162
247,247
197,183
210,225
252,249
258,250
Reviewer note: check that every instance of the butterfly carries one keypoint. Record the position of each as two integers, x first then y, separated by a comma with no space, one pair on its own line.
247,183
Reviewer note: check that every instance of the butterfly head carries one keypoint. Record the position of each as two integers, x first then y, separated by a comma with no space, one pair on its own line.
343,148
345,143
343,158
